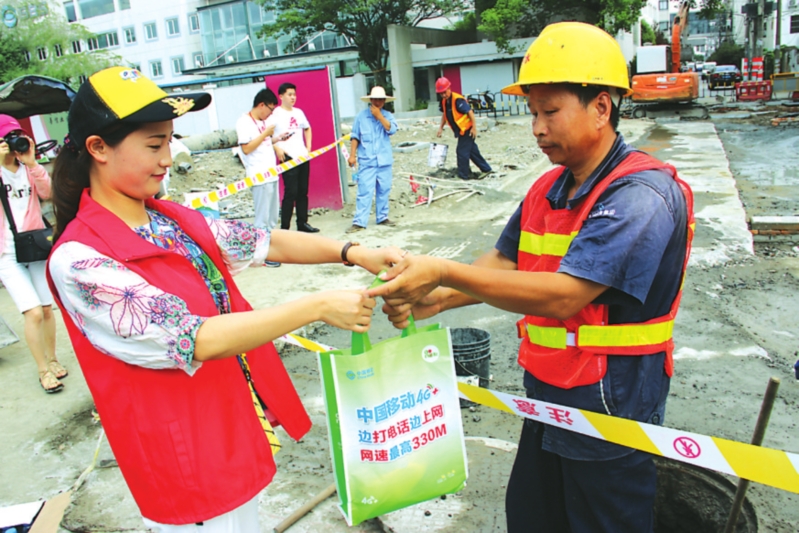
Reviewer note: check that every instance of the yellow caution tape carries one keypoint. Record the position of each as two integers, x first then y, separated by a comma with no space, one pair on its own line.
768,466
244,184
302,342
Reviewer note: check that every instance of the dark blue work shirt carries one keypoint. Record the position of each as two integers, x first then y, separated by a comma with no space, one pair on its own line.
633,242
462,106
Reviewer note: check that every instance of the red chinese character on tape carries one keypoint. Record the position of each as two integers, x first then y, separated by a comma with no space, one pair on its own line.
687,447
559,415
526,407
366,455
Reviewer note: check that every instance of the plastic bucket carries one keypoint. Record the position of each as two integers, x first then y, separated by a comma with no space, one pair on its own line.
437,155
471,350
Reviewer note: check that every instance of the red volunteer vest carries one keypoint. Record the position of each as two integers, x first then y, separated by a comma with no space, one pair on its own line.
190,447
573,352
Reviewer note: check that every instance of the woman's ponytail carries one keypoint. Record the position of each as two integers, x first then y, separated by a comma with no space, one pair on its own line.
70,178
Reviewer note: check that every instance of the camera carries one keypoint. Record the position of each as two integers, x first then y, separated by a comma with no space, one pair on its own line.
17,143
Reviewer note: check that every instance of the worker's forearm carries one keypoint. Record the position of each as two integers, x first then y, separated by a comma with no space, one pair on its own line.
354,146
547,294
234,333
308,139
493,259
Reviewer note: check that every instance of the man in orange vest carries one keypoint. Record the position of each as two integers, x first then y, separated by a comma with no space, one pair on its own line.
594,257
457,111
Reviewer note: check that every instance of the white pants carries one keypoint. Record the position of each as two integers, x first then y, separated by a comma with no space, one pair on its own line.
242,519
26,282
266,199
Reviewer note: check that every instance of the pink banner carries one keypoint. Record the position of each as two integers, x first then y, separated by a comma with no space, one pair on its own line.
315,98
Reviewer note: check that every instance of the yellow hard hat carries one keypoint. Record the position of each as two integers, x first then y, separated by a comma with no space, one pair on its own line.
573,52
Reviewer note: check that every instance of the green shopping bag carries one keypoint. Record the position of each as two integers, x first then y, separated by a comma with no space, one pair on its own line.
394,421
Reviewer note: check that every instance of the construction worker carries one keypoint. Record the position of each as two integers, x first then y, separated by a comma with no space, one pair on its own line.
457,111
594,257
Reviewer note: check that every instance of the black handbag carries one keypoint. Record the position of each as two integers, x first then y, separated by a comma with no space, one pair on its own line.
31,246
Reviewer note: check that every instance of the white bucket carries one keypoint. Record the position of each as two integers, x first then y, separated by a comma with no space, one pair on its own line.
437,155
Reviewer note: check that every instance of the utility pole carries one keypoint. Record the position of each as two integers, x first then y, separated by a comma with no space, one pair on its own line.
777,39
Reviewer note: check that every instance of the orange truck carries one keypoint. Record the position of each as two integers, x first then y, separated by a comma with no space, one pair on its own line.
659,79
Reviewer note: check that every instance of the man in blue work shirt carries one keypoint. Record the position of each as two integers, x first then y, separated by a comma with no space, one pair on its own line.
457,111
371,145
594,258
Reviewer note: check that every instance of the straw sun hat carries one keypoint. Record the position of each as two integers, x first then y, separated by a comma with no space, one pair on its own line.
378,92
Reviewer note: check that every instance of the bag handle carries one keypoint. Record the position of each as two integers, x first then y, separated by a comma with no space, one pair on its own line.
7,208
360,341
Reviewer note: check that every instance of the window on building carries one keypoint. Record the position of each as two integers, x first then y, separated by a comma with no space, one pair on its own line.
135,66
172,27
69,8
150,31
104,40
59,51
95,8
194,23
124,4
27,56
130,35
42,53
197,59
177,66
794,23
664,5
76,47
156,70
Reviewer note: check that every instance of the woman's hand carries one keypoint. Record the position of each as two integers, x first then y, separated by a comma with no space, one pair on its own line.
375,259
350,310
28,158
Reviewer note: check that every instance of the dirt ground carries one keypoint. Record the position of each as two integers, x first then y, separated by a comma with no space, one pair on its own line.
736,328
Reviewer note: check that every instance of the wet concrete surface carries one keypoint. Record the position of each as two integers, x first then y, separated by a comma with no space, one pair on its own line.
765,160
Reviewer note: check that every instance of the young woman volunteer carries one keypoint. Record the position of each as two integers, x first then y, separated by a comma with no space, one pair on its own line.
25,182
181,369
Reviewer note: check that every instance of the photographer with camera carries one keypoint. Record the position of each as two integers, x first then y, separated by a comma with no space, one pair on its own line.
24,183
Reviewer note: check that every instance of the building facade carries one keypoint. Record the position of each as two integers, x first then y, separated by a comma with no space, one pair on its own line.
162,39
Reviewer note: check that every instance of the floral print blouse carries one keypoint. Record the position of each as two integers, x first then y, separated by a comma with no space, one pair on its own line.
127,318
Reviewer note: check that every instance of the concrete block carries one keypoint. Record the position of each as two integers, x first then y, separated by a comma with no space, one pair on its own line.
775,223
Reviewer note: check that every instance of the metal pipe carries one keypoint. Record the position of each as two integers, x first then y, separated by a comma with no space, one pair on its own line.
757,440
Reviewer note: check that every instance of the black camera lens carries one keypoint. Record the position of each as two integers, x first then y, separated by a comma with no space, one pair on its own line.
17,143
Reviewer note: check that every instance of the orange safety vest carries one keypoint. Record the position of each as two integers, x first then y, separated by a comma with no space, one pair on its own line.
463,122
573,352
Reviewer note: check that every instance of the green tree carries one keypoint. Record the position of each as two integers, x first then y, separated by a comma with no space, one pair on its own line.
521,18
728,53
364,22
647,33
43,26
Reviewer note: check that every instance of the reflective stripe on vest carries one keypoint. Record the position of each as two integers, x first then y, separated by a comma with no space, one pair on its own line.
546,244
611,336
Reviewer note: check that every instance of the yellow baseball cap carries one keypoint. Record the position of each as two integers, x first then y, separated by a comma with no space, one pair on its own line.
122,94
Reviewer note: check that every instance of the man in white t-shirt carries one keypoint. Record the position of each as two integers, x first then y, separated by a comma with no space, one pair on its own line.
289,120
258,155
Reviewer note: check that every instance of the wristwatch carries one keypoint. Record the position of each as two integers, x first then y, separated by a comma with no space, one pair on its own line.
347,249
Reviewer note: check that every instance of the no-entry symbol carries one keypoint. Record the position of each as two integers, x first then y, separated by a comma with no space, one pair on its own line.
687,447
